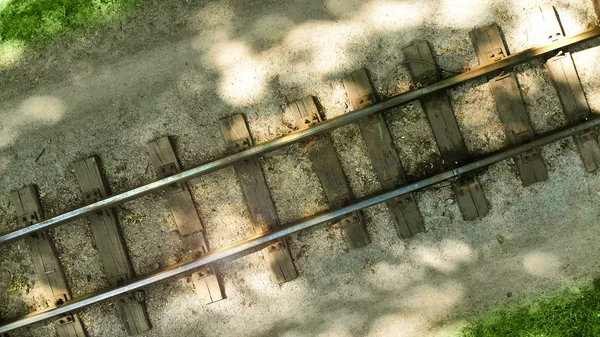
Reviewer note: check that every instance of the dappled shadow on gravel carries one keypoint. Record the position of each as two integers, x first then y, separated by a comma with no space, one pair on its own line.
177,68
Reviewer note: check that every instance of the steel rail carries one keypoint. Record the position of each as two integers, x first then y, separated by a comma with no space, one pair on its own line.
327,125
251,244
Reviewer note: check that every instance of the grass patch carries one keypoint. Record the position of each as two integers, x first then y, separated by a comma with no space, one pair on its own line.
18,284
23,22
27,20
133,219
569,314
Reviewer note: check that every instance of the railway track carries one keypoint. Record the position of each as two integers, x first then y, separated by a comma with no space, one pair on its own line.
458,166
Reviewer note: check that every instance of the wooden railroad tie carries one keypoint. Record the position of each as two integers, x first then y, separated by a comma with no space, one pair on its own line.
327,166
207,281
546,27
258,198
424,71
490,48
111,246
383,155
46,264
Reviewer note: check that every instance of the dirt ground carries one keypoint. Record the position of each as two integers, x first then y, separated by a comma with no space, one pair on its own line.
176,68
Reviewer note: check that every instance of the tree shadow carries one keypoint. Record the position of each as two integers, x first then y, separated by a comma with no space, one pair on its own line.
176,69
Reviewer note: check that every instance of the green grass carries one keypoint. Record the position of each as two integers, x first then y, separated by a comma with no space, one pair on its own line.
575,314
132,219
106,169
18,284
31,20
24,22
